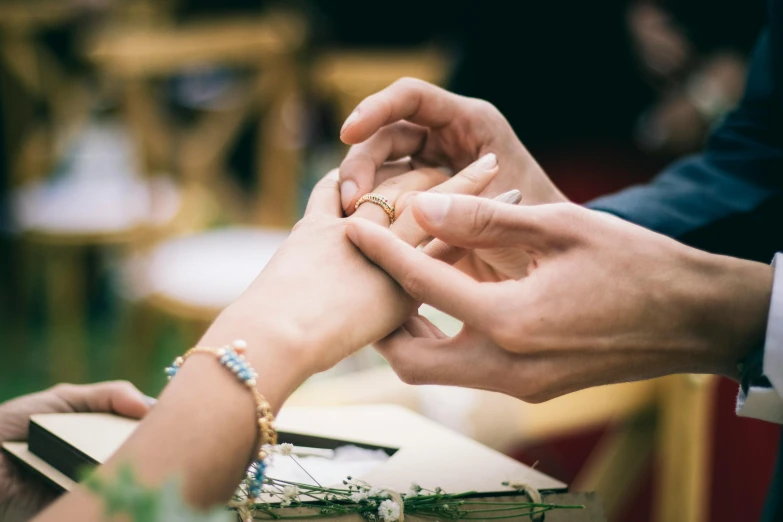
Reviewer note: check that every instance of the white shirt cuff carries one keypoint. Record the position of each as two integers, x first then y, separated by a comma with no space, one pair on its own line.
765,403
760,403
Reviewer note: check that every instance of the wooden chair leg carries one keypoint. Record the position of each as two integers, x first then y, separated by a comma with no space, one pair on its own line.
618,461
135,360
66,304
684,446
280,161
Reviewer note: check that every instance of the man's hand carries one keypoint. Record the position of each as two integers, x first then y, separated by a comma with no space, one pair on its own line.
414,120
413,123
605,301
20,497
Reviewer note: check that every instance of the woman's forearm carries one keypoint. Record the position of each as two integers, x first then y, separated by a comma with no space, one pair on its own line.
203,429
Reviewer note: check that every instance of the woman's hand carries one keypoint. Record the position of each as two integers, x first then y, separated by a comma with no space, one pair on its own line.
319,300
415,123
605,301
21,497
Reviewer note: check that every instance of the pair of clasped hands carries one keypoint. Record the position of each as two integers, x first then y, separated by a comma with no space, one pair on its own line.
554,297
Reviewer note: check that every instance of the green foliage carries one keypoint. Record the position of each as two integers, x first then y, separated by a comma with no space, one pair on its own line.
125,495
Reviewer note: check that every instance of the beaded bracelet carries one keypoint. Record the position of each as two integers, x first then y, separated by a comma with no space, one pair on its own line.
232,357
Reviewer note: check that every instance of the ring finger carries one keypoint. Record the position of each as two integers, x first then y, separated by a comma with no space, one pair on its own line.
395,186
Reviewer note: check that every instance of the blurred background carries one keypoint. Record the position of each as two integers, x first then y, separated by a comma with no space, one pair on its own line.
154,152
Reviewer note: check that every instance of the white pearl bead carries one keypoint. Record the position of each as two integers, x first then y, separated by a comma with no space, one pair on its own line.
239,344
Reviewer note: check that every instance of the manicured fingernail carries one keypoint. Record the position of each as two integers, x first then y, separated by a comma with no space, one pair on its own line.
433,206
487,161
350,120
512,197
347,192
151,401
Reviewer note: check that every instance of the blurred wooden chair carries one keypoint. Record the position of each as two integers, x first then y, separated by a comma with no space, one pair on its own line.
44,102
667,419
191,275
345,77
76,183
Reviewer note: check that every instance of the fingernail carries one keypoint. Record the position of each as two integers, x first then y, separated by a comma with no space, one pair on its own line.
487,161
151,401
433,206
347,192
512,197
350,120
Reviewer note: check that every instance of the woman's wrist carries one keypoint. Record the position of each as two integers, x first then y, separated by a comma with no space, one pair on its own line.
271,344
204,430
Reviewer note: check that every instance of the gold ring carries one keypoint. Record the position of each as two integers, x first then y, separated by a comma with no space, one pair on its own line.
379,200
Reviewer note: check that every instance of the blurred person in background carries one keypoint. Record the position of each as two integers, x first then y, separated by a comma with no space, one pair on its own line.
696,68
578,287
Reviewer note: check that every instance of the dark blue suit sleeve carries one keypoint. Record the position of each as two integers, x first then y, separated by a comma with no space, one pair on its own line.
728,197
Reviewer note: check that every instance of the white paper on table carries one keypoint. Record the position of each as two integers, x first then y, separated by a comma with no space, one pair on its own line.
348,461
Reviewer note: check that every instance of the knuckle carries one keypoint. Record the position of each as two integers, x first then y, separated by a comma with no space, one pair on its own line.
482,217
563,213
407,372
413,285
506,332
538,398
125,385
306,223
409,83
570,212
64,388
329,182
471,174
568,219
532,388
407,377
482,108
400,362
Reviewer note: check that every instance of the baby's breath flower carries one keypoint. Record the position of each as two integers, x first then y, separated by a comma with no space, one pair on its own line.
413,491
378,493
291,492
389,511
285,502
358,496
286,448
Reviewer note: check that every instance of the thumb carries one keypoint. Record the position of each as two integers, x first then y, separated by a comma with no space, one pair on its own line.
119,397
473,222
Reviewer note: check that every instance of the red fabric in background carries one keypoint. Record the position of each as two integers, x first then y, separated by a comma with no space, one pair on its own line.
744,450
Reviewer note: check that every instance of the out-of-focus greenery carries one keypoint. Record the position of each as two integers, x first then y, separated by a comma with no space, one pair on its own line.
124,495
